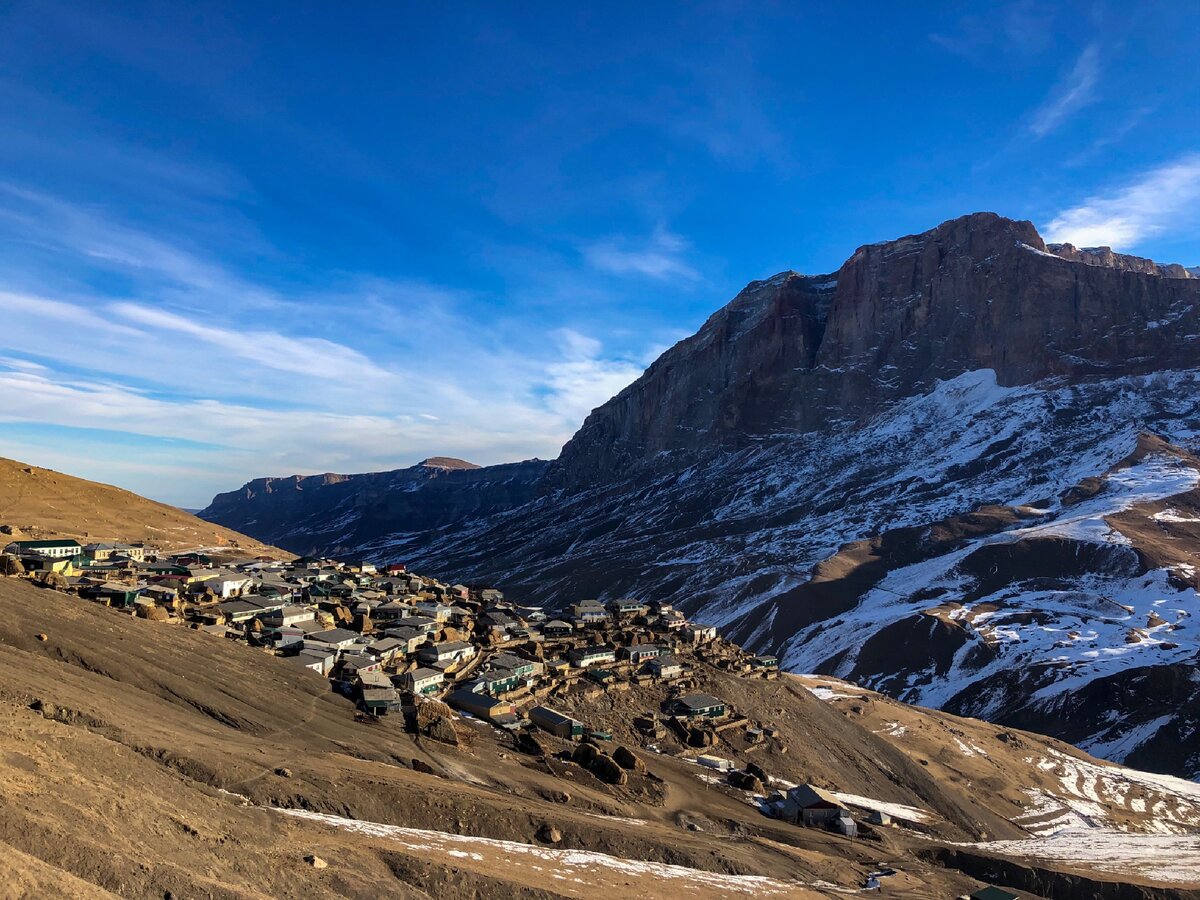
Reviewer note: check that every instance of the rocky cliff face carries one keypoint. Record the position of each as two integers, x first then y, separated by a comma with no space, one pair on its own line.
1104,256
337,514
796,354
878,474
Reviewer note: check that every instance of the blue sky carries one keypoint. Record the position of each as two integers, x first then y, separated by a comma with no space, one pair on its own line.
263,239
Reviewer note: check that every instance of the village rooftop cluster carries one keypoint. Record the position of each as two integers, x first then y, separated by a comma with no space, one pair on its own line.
394,642
385,636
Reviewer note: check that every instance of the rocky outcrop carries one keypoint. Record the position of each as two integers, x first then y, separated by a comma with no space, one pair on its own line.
791,355
1104,256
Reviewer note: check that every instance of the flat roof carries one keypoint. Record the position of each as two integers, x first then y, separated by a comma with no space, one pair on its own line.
700,701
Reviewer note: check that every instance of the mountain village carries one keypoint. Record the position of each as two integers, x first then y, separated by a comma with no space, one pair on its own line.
398,644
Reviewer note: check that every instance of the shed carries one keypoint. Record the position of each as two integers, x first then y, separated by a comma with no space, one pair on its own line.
810,805
480,705
555,722
715,762
846,825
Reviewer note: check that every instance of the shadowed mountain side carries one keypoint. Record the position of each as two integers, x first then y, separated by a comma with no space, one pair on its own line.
335,514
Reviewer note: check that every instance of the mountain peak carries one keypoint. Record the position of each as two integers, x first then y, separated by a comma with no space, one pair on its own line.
791,354
978,234
446,462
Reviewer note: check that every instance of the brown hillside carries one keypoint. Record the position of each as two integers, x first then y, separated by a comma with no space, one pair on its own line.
40,503
143,759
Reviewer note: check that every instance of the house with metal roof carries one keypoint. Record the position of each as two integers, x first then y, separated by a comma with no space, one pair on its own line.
807,804
556,723
640,653
583,657
379,701
695,706
446,652
422,681
48,549
666,666
333,639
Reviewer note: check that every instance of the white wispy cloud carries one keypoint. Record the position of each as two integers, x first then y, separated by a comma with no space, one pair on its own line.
313,357
661,257
1164,197
584,379
262,388
1025,27
1072,93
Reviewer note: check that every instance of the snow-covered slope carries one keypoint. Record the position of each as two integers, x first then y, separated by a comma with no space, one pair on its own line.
1063,621
950,551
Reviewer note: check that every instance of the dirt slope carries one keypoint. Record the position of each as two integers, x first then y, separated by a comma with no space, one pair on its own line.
141,759
39,504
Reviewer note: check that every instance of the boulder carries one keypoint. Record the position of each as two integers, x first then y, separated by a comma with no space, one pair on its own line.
316,862
548,834
283,772
606,769
746,782
42,636
757,771
626,759
419,765
585,753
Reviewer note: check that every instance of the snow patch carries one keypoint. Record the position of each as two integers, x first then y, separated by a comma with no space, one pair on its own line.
569,863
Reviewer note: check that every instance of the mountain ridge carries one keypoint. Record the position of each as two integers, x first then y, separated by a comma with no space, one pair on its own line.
962,369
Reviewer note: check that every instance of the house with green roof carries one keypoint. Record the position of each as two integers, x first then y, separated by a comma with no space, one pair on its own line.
47,549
